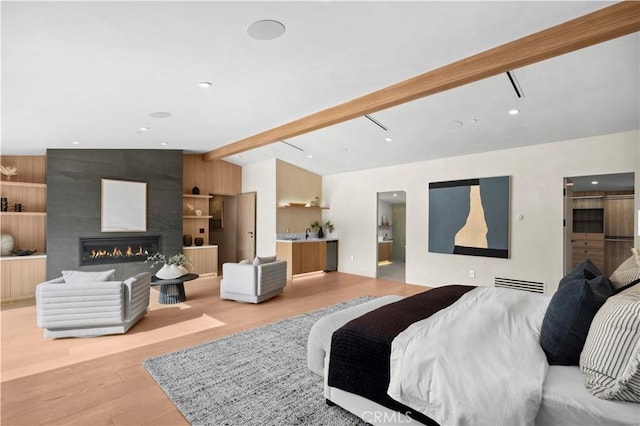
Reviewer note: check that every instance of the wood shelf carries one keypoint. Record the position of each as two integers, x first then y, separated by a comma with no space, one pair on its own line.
23,184
197,217
22,273
23,213
196,196
304,207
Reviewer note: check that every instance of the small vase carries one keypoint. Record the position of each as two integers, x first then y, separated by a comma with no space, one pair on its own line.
7,243
169,272
320,233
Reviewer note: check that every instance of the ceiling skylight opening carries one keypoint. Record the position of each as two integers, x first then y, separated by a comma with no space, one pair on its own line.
514,111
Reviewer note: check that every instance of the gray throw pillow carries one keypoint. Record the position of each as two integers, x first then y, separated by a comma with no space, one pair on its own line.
261,260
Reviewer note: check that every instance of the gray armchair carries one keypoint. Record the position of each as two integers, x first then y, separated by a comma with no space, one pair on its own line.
91,308
253,282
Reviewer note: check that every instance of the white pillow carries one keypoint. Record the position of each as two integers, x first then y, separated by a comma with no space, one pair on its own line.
261,260
244,262
79,277
627,272
610,359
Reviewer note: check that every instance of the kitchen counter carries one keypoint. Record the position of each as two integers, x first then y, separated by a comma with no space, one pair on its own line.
303,240
304,255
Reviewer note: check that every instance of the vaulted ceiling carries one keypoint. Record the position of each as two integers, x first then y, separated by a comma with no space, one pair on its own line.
98,74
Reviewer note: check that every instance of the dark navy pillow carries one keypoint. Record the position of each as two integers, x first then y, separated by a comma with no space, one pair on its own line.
566,323
587,269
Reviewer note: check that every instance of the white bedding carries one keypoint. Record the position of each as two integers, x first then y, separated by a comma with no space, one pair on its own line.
478,362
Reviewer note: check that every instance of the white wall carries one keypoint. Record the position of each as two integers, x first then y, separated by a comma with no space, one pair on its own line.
261,178
536,247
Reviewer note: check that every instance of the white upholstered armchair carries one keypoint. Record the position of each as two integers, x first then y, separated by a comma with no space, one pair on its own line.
253,282
82,305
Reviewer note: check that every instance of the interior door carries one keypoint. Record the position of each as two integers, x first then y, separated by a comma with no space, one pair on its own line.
246,230
568,225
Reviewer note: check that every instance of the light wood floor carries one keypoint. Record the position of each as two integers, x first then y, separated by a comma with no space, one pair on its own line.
101,380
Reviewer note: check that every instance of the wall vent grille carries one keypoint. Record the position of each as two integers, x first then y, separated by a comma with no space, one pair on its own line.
532,286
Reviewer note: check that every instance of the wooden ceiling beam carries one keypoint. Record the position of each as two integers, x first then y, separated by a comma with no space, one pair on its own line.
605,24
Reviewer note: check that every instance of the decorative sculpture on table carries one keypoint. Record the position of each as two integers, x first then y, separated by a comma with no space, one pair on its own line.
172,267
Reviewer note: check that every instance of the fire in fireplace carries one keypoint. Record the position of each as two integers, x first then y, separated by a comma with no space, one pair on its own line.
103,250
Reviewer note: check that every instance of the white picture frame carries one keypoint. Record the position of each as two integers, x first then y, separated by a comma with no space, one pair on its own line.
124,206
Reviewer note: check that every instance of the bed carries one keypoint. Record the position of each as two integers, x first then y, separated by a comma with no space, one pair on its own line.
430,359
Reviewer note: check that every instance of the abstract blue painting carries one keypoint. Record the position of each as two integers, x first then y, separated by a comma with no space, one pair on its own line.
470,216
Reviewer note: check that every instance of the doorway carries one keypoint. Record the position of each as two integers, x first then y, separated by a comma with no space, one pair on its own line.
599,220
391,235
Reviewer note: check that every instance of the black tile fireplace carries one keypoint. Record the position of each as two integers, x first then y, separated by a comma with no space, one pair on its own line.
107,250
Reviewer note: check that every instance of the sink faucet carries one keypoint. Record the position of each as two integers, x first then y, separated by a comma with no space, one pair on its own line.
306,233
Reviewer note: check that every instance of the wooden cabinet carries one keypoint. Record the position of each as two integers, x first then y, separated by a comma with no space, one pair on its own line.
618,229
302,256
589,245
20,275
618,218
204,259
385,251
195,222
603,228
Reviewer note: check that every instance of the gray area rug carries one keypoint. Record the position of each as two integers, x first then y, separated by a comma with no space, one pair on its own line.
257,377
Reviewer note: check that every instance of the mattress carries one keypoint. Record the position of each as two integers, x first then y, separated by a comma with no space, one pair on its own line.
566,401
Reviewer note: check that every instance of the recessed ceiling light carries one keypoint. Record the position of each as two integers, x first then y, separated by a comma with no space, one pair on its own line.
455,124
142,129
474,121
164,143
514,111
395,195
204,84
310,156
75,143
595,182
388,139
160,114
266,29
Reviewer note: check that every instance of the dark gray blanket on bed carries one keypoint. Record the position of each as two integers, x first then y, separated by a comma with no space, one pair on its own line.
360,349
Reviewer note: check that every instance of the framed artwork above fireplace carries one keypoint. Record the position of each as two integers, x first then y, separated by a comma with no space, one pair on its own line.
124,206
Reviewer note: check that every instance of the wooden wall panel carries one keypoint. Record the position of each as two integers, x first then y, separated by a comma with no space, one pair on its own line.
28,230
211,177
31,168
204,259
21,276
